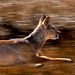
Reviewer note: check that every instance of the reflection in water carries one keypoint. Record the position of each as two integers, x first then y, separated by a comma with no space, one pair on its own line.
19,18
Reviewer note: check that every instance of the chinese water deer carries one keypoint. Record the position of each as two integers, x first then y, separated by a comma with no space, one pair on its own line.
27,49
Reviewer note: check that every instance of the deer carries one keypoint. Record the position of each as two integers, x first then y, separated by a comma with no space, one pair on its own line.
27,49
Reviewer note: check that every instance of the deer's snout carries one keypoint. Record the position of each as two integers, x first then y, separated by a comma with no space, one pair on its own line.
59,32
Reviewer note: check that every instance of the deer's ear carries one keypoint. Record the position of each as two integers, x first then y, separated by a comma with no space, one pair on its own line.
42,19
46,21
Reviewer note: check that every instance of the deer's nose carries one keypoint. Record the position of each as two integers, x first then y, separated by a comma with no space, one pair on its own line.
59,32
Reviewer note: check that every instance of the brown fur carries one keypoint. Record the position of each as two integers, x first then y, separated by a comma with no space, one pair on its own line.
27,49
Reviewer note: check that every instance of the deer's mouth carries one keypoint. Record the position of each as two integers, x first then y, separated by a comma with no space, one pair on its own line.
55,37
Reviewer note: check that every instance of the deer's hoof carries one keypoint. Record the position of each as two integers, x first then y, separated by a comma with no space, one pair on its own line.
69,60
38,65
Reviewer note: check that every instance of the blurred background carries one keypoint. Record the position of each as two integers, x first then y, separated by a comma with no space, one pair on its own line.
18,18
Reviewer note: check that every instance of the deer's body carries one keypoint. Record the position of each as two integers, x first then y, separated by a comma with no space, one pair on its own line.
27,49
22,50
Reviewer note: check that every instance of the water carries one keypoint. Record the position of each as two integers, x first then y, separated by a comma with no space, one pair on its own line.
19,18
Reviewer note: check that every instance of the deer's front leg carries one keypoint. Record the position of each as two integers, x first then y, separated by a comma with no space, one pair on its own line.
62,59
55,59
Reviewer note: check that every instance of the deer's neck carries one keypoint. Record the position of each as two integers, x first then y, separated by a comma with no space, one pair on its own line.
37,37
